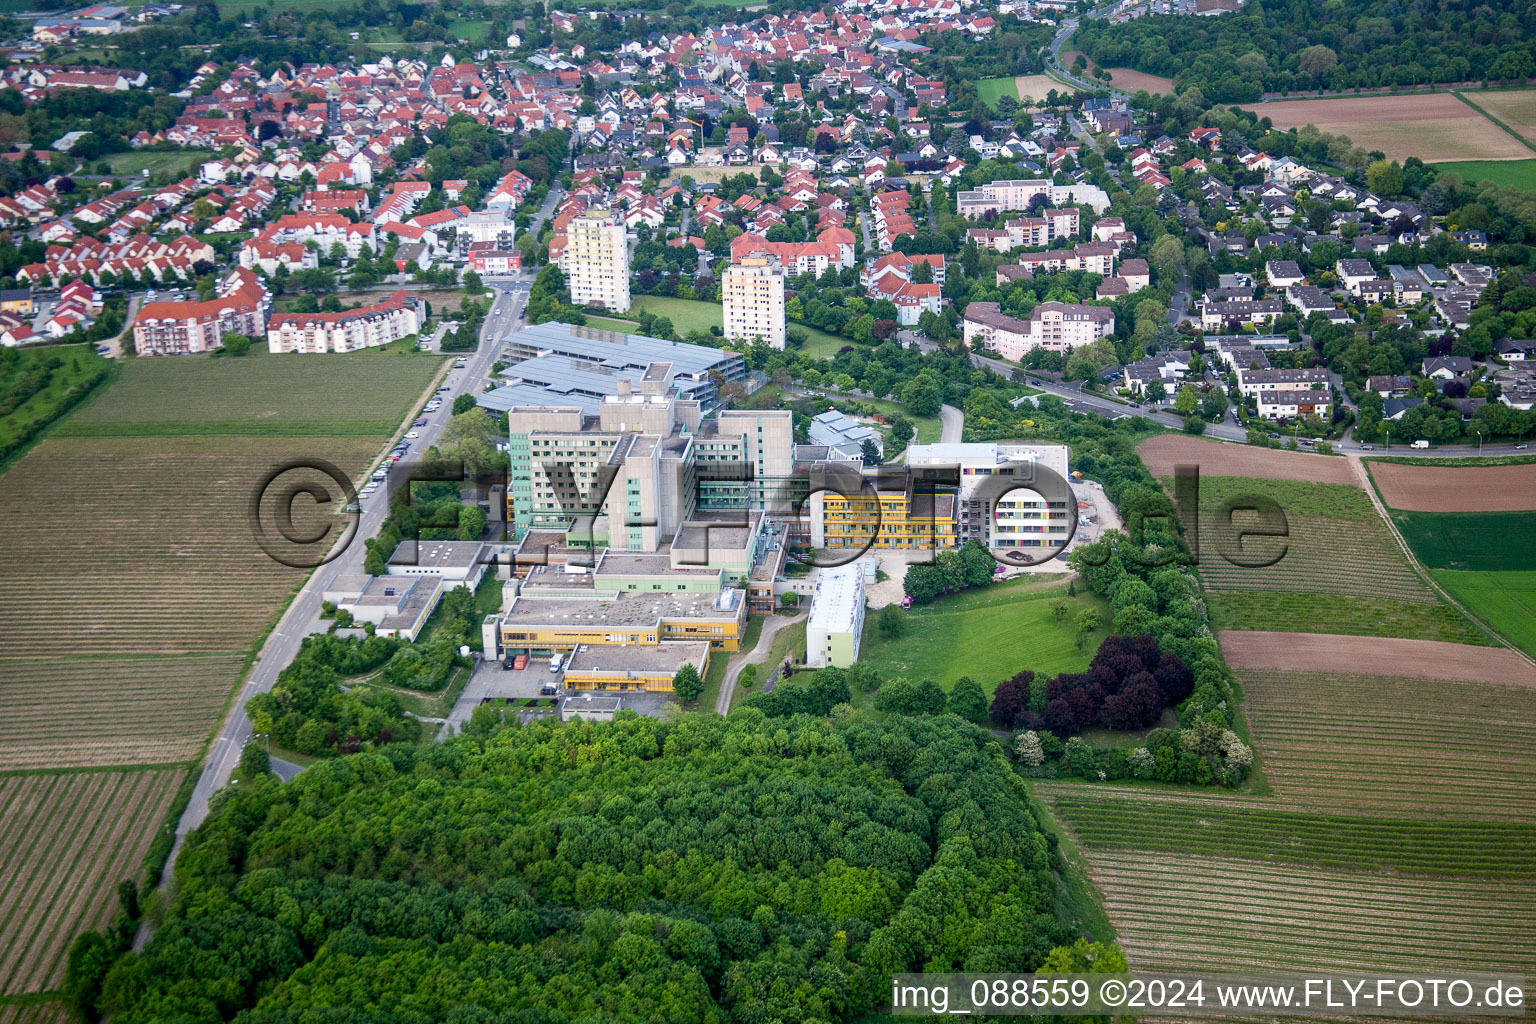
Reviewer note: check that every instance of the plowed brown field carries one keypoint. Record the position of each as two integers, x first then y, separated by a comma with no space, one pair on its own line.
1216,458
1455,488
1425,659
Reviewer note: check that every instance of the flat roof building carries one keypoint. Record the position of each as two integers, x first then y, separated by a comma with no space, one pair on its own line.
836,621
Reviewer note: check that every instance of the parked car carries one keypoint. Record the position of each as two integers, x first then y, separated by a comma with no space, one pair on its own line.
1367,447
1520,447
412,435
421,421
379,474
445,387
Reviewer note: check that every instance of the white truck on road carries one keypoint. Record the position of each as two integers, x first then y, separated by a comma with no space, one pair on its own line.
1421,444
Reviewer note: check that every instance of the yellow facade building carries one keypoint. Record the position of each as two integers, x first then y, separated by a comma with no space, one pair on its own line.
900,520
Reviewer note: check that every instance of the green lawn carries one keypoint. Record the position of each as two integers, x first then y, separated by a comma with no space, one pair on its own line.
175,163
358,394
993,89
696,315
470,31
1479,541
686,314
989,635
929,428
78,370
1505,600
1518,173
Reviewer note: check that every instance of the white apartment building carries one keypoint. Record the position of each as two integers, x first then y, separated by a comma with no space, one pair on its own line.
998,503
349,330
752,292
1054,326
596,261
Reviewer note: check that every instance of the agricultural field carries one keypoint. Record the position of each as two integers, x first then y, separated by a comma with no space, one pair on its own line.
52,714
1127,80
66,841
1412,746
1491,541
1444,488
1516,108
1432,126
1175,911
1337,569
137,545
1514,173
1027,89
1163,452
1247,829
1007,627
260,395
1410,488
51,1011
135,594
1506,601
1423,659
1337,614
1335,542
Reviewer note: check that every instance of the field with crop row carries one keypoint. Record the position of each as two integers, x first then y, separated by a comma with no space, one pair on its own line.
52,714
362,393
65,843
48,1012
1505,600
1321,555
1477,541
1415,746
1472,849
1334,614
1179,912
1304,499
136,545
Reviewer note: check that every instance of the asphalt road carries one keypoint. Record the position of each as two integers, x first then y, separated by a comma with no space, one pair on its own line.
283,643
297,621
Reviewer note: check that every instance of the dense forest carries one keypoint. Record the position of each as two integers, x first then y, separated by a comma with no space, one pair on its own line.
1288,45
706,869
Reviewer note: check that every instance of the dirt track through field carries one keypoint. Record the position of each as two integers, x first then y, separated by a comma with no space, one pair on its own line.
1456,488
1424,659
1216,458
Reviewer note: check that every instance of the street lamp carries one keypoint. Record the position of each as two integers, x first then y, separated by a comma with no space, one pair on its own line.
1479,443
1387,426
